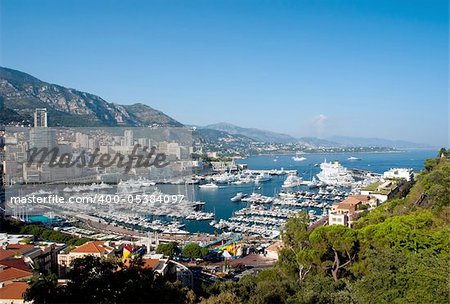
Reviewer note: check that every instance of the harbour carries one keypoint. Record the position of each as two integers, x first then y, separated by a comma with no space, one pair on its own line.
255,201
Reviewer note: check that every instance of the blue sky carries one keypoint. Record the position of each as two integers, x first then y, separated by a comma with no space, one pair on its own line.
306,68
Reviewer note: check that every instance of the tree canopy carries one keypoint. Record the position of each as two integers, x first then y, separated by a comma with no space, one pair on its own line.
194,251
168,249
94,280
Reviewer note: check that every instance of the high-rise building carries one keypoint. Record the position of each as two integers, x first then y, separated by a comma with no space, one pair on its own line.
82,140
128,138
42,138
144,142
40,118
174,149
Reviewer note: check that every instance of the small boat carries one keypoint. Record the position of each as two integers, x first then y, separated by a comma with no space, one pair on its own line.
298,158
238,197
264,177
353,158
209,186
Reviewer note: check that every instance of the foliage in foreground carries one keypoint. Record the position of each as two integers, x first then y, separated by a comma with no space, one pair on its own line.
93,280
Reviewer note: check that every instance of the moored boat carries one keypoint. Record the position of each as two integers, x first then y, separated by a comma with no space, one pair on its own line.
209,186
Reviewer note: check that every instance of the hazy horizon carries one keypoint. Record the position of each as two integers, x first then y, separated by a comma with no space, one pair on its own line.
354,68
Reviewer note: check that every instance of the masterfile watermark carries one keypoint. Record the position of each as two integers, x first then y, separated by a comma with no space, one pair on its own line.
145,158
44,155
56,199
101,172
85,169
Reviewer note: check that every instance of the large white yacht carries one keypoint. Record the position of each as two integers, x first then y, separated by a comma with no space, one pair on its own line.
292,180
333,173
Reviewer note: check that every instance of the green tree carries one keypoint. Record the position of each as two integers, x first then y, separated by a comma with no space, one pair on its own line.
296,254
335,246
194,251
391,275
225,297
443,152
43,289
168,249
93,280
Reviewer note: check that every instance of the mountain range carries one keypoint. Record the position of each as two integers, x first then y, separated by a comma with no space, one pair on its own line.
21,93
256,134
377,142
334,141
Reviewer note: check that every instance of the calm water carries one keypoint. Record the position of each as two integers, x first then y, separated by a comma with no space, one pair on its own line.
218,200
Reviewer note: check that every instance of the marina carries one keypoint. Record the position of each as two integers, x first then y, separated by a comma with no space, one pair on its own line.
256,201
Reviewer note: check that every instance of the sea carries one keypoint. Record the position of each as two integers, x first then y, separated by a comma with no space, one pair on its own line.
218,200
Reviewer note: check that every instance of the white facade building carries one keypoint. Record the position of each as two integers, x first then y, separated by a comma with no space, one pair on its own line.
405,173
338,219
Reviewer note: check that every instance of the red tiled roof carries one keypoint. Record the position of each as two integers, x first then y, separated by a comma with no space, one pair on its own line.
362,198
352,201
10,274
14,249
15,263
93,247
150,263
147,263
13,291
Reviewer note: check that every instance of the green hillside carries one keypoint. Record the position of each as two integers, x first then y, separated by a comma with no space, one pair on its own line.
21,94
398,253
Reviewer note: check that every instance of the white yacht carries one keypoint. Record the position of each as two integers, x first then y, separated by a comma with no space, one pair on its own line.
298,158
353,158
224,178
333,173
258,198
135,184
292,180
263,177
239,182
209,186
314,183
238,197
